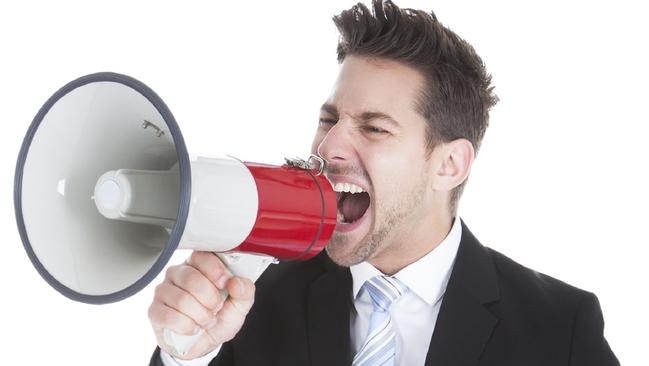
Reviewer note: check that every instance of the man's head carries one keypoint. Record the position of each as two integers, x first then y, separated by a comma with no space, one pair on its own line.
405,117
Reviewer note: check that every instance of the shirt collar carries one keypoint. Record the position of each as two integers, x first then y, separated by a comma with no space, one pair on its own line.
427,277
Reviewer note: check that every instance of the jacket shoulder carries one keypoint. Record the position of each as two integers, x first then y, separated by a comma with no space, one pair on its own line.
543,316
537,290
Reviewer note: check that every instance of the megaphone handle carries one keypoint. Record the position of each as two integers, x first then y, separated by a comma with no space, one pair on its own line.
246,265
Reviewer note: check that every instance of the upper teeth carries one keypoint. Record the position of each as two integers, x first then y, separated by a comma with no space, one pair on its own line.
347,187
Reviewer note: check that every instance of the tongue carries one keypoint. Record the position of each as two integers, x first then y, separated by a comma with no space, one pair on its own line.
355,205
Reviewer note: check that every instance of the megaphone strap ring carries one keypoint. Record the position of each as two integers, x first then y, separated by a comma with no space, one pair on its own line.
47,140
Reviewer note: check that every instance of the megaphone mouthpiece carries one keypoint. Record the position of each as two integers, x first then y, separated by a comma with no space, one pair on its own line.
140,196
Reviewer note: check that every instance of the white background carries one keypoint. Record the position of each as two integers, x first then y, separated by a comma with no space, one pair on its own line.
560,184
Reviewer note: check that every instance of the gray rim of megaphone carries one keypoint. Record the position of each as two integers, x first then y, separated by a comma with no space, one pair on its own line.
185,186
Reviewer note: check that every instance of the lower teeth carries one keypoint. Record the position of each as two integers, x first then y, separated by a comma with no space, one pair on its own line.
340,217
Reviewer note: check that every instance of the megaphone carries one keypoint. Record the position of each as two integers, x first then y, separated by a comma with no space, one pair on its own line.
105,191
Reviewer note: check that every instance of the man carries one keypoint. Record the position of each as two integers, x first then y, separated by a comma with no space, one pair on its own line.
403,281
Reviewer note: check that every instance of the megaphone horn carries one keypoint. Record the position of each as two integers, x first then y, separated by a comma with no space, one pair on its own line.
105,192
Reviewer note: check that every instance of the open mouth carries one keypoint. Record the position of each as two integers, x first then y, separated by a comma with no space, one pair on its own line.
353,202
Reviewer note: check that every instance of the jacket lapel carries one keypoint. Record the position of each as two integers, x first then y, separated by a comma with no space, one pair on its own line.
328,307
464,325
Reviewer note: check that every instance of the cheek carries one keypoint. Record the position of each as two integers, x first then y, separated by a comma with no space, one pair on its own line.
386,172
393,166
394,173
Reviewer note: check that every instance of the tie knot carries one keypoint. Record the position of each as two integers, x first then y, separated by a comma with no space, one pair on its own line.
383,291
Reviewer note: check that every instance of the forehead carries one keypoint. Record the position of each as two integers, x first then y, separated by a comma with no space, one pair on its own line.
375,84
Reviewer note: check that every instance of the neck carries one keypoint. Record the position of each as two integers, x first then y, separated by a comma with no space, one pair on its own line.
411,245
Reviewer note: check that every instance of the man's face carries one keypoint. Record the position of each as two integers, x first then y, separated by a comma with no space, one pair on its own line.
372,136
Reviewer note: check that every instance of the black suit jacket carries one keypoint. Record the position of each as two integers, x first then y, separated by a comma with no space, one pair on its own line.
494,312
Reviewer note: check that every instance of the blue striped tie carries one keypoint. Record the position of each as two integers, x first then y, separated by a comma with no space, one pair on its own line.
379,347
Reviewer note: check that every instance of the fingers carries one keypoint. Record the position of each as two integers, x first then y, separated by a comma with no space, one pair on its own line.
189,299
210,266
194,282
186,304
162,316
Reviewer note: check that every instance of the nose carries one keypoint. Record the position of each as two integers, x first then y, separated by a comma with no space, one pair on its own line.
336,146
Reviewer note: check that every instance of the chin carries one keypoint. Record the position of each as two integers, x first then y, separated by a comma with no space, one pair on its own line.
353,243
346,254
339,255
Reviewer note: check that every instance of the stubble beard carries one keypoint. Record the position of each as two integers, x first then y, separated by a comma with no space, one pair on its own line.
380,234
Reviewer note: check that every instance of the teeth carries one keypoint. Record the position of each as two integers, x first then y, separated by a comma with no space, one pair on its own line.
347,187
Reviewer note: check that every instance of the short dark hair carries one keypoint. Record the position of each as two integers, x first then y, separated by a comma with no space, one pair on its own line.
457,95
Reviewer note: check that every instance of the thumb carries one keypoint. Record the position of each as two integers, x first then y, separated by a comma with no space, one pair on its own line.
241,294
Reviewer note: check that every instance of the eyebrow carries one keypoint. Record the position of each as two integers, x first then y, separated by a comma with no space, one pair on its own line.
329,108
363,117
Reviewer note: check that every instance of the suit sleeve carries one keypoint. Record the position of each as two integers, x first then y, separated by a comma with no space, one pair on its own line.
224,357
589,347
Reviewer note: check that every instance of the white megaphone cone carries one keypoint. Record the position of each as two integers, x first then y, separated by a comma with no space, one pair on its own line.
105,191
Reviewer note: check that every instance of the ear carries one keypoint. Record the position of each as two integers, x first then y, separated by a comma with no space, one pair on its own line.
453,162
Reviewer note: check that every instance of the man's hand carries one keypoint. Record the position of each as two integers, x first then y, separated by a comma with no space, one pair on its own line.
189,300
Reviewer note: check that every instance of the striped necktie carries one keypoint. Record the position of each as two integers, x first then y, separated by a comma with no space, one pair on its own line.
379,347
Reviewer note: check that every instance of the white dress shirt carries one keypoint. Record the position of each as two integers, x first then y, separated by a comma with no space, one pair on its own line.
413,315
169,360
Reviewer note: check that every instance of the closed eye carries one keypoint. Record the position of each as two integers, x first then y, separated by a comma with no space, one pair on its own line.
327,121
373,129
